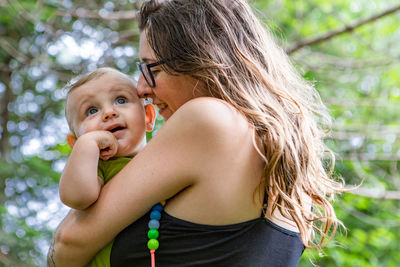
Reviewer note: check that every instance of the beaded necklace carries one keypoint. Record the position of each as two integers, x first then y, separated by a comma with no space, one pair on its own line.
152,234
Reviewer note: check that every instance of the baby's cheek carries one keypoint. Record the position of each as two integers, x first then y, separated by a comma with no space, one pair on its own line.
82,129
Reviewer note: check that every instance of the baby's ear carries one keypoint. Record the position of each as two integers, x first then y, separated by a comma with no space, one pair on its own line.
150,117
71,139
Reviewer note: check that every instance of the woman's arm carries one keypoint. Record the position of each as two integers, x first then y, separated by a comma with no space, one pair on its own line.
170,163
79,184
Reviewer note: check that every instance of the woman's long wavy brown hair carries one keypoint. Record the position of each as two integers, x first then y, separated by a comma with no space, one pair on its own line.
223,44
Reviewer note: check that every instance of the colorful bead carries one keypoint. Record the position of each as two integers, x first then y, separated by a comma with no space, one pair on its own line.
154,224
153,244
152,234
158,207
155,215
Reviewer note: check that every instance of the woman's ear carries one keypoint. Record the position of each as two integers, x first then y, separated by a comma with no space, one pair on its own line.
71,139
150,117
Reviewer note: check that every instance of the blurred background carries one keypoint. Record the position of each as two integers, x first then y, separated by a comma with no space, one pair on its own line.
349,49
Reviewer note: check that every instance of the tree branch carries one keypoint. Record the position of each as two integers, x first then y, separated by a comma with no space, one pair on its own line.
12,51
334,33
31,16
316,60
369,219
7,259
364,157
88,14
5,78
375,193
127,37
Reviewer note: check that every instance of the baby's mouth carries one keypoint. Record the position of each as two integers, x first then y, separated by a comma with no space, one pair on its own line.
116,129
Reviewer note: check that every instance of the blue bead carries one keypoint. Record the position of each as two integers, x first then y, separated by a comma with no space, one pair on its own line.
158,207
155,215
154,224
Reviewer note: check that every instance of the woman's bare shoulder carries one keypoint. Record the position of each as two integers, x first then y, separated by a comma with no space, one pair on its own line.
202,127
208,113
217,140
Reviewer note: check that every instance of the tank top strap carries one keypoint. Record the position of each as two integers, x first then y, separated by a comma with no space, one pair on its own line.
264,206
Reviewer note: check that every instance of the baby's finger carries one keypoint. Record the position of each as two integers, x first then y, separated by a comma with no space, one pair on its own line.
108,152
105,154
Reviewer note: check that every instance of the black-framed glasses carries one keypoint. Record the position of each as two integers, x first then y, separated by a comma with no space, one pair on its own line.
145,69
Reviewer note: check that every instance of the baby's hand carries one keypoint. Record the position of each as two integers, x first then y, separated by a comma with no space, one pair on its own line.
106,141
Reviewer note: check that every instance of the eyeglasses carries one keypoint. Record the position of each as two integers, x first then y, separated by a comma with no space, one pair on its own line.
145,69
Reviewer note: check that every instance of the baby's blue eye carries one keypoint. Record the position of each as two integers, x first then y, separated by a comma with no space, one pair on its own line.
121,100
92,111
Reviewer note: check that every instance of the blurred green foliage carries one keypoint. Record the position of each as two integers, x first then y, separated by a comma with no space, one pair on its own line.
43,44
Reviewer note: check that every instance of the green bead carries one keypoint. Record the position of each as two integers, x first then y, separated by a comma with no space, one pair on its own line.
152,234
153,244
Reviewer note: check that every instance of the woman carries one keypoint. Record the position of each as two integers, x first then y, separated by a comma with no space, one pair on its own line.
240,134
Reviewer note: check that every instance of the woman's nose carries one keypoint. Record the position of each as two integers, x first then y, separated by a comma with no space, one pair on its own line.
143,89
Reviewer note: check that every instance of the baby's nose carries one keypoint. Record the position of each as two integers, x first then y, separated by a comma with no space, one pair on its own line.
109,114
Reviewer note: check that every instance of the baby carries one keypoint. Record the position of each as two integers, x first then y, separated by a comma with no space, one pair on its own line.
108,122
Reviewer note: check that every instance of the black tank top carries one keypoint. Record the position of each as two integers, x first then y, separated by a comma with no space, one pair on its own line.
258,242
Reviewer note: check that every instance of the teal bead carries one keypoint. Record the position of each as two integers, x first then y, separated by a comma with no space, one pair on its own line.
152,234
155,215
153,244
154,224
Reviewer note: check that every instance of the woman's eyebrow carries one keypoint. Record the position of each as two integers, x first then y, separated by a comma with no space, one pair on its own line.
148,60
